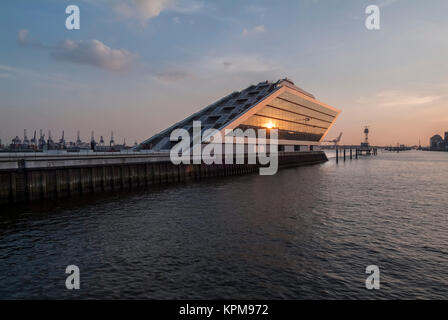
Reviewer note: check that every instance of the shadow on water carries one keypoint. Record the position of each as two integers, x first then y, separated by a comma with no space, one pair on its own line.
45,207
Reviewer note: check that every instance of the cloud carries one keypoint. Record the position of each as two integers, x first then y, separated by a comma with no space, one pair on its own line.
258,10
144,10
240,64
94,53
172,76
393,98
148,9
24,39
252,8
124,10
22,36
5,75
387,3
257,29
90,52
187,6
39,78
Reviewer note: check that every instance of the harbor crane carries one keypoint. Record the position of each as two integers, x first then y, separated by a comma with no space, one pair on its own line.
335,141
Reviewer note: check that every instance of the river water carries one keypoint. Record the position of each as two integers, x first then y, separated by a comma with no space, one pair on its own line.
307,232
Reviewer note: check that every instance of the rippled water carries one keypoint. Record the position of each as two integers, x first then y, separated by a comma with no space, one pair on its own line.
306,232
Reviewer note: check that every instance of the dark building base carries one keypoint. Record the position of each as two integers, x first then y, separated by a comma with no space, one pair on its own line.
30,184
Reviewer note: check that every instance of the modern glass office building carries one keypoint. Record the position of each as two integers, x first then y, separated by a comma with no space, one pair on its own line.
302,121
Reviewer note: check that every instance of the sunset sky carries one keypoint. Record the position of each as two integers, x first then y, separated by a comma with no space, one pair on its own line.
136,67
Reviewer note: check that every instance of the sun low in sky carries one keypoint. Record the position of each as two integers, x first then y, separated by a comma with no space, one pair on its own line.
137,67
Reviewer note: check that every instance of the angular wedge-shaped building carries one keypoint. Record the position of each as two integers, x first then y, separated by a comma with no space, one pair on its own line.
302,121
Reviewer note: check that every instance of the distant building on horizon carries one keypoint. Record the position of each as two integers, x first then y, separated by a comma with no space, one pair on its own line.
44,145
437,143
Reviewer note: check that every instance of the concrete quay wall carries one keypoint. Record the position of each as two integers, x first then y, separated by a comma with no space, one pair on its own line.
34,178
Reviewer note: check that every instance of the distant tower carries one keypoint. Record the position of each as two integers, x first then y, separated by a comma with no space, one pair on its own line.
33,139
78,138
16,142
101,141
50,140
366,132
25,138
42,142
62,140
112,141
92,141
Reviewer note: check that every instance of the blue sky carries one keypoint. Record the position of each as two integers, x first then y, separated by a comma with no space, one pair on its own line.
136,67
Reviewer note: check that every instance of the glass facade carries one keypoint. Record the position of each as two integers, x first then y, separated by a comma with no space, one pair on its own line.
295,118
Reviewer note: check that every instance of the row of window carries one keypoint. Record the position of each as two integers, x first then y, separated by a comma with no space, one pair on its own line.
283,134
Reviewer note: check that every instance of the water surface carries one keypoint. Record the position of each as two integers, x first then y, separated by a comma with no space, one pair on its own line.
306,232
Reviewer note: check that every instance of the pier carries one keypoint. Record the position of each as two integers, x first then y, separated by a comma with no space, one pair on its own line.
400,148
345,152
364,149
